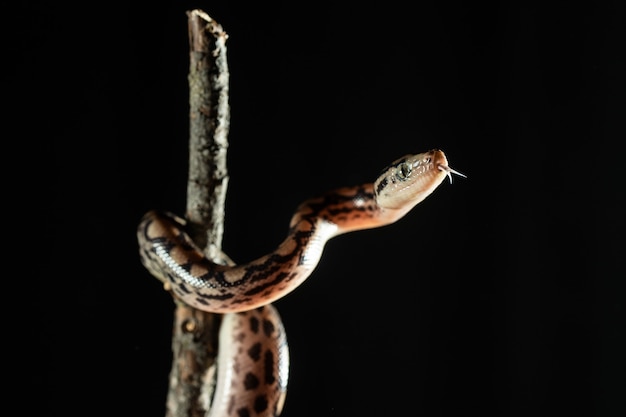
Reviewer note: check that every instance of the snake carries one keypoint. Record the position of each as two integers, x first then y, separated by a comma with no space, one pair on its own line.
252,368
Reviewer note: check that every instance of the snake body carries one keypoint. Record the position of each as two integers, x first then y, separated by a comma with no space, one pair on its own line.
170,254
252,366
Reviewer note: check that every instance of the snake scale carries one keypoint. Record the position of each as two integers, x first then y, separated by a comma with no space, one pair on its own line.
253,357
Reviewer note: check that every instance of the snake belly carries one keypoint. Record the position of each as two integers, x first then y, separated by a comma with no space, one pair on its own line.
168,252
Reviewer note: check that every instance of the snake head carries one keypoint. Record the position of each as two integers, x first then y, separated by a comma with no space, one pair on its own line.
410,179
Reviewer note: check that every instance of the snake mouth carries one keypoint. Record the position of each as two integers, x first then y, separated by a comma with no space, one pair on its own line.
449,171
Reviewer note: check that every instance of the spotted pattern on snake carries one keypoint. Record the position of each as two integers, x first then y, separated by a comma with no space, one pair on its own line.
171,256
253,365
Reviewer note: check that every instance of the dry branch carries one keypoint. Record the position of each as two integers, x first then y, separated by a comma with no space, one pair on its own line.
194,338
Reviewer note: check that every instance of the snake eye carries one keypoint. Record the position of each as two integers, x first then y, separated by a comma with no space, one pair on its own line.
403,170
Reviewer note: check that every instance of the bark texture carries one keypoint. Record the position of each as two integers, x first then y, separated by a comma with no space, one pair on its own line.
194,338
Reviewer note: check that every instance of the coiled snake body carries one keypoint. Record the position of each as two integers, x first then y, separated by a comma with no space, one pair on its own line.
171,256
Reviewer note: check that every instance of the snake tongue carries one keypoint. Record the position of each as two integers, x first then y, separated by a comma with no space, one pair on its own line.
450,171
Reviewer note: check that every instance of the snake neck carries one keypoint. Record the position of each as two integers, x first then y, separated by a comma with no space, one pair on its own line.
346,210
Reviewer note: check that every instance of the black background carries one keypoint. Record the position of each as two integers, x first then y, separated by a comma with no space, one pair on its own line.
501,295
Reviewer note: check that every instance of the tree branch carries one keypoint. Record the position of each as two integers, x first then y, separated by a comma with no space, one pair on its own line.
194,338
209,122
